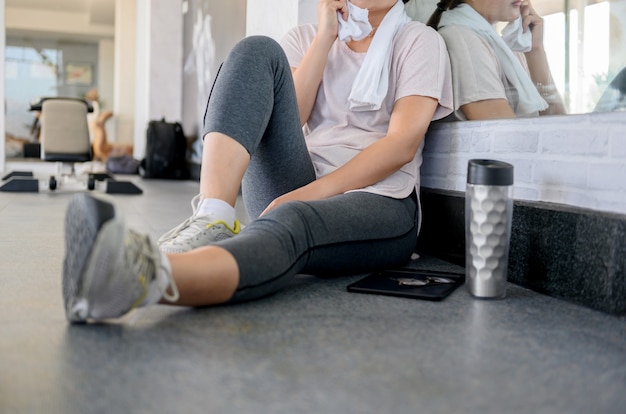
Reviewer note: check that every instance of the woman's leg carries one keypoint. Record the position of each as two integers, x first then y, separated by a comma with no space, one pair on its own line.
253,102
347,234
351,233
252,127
224,162
102,148
101,145
204,276
109,270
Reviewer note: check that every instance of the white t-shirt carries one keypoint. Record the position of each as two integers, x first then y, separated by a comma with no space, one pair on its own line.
477,74
335,134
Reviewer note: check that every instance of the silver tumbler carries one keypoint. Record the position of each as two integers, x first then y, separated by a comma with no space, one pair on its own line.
488,217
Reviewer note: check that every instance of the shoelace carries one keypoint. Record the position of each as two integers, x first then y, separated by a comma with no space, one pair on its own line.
141,254
172,234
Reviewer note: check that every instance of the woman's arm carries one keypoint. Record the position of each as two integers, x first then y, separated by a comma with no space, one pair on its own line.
408,124
538,62
488,109
308,75
477,84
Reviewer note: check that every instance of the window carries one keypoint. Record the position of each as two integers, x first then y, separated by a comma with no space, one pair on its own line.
29,73
585,45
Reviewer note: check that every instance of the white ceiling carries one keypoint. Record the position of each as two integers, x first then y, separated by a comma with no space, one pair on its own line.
100,11
59,5
95,16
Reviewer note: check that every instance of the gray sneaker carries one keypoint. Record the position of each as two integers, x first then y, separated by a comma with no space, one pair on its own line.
108,269
196,231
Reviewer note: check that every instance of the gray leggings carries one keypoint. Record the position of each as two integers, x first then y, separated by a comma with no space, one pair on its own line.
253,100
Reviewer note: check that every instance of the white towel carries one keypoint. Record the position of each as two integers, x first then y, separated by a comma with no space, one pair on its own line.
357,26
529,99
515,38
372,81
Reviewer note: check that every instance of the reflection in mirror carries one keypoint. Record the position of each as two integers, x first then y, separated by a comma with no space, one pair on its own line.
577,49
585,41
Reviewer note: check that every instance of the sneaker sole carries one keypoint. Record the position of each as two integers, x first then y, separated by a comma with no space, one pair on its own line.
85,218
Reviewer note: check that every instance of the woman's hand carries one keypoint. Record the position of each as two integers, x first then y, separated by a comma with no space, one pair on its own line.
533,22
306,193
538,62
308,75
327,16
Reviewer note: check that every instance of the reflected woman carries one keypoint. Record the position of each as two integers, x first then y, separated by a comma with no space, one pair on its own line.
496,75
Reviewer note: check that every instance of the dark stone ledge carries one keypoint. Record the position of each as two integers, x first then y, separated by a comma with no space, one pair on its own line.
567,252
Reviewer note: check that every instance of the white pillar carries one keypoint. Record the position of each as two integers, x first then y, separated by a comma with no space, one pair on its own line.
123,105
106,72
159,66
2,109
307,11
106,79
262,18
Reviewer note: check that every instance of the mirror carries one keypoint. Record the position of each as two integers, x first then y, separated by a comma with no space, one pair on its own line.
60,48
585,43
586,48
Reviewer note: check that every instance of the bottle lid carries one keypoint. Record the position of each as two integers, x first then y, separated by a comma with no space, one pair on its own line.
489,172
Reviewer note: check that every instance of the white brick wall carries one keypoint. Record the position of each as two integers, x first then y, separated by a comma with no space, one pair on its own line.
577,160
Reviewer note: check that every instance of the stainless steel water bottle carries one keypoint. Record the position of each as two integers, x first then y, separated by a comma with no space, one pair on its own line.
488,217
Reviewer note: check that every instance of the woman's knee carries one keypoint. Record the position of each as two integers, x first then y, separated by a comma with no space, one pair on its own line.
255,47
295,215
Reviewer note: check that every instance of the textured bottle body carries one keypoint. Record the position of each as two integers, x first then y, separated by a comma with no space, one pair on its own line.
488,219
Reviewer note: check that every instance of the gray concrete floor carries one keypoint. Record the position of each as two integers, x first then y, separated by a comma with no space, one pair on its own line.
312,348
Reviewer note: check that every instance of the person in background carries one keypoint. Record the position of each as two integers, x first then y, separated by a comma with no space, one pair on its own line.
15,146
326,133
493,75
102,148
